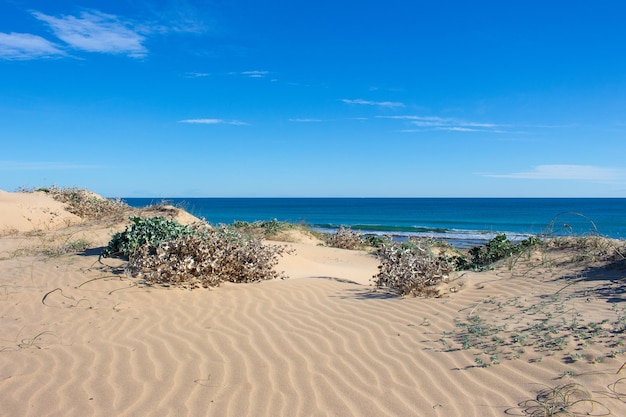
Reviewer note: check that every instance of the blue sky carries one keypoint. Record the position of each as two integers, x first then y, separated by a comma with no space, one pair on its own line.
193,98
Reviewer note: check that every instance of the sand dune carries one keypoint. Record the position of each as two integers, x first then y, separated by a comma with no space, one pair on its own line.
80,338
23,212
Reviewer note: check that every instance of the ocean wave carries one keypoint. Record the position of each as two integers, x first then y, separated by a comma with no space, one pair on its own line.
462,239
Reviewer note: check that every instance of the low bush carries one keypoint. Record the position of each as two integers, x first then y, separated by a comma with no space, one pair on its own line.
418,266
144,232
376,241
344,238
164,252
262,229
86,204
413,268
498,248
207,258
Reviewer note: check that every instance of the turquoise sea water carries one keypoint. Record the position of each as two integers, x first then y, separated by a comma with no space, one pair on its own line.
461,221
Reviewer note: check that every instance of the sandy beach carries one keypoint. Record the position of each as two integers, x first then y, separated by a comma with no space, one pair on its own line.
79,337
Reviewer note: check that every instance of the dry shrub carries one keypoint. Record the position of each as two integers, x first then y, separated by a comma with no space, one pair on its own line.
412,268
206,259
591,248
86,204
345,238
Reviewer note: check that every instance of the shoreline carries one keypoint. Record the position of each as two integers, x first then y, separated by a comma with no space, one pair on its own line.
451,217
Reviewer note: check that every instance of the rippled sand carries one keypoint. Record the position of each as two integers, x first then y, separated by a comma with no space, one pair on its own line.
80,338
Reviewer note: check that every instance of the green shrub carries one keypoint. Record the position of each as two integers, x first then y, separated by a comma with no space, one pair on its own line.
376,241
498,248
144,232
262,229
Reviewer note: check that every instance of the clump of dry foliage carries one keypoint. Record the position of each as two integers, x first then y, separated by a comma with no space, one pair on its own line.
570,399
163,252
591,248
344,238
207,258
86,204
414,267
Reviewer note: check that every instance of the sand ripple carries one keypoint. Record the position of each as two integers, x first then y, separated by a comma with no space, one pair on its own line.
319,344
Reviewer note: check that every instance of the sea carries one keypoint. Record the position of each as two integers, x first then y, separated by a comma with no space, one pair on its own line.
462,222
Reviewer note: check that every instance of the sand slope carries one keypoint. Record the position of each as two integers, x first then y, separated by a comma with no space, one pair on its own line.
79,338
23,212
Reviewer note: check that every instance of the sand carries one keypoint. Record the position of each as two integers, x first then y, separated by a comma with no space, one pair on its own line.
23,212
80,338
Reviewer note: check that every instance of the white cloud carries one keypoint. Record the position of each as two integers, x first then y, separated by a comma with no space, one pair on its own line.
457,129
473,124
255,74
421,118
23,46
97,32
196,74
447,124
181,18
565,172
252,74
390,104
306,120
214,122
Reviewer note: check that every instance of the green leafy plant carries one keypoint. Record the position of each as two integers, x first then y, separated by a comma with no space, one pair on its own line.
376,241
498,248
262,229
144,232
544,328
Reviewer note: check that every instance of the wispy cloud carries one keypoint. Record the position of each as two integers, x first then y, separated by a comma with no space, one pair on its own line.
43,166
24,46
390,104
447,124
97,32
306,120
251,74
183,17
255,74
214,122
457,129
565,172
196,74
